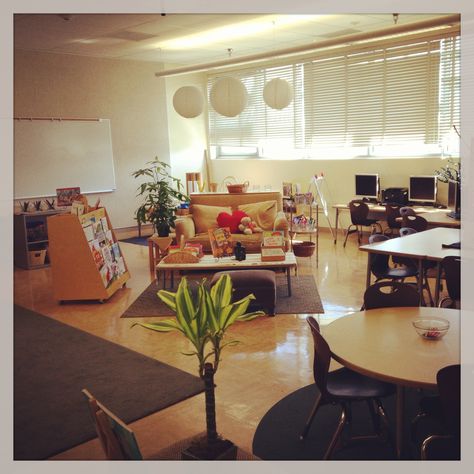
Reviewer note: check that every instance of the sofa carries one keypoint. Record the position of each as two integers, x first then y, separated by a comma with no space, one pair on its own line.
265,208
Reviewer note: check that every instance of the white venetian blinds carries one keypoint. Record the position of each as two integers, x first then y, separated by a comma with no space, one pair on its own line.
400,93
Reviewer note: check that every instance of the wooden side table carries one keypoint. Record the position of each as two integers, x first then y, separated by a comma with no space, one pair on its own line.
157,247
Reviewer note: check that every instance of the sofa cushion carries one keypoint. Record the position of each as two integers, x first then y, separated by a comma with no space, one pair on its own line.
263,213
205,217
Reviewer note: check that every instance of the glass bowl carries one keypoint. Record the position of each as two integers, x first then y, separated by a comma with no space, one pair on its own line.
431,328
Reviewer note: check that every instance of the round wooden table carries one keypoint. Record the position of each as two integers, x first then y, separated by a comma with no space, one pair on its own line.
382,343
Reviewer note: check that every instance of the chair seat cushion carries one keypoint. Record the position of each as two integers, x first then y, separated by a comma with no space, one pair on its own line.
350,385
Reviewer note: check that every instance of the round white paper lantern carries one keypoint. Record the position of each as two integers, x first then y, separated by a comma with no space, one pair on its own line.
277,94
228,96
188,101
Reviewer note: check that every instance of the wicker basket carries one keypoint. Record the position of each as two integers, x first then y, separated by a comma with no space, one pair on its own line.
303,249
238,188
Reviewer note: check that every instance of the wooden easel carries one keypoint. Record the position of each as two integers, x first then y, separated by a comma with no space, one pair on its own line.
319,187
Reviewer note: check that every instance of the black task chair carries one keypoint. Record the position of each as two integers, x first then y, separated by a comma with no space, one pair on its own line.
404,231
445,410
407,211
379,264
359,212
400,294
452,274
392,212
342,387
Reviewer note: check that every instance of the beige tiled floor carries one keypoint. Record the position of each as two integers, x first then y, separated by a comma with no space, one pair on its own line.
273,359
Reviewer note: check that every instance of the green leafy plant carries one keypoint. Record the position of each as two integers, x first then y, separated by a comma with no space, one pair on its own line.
451,173
162,193
204,318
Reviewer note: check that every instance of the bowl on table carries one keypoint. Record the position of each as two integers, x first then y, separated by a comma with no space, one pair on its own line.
434,328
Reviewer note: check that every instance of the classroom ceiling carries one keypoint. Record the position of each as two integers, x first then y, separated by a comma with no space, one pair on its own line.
188,39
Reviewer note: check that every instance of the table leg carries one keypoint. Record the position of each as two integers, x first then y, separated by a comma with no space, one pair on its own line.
336,226
369,264
400,409
438,281
420,279
288,280
151,255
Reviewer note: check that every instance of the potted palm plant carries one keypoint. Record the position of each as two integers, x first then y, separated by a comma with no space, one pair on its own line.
203,318
163,194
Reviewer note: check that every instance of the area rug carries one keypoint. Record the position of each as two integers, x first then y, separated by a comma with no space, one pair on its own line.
54,362
136,240
277,434
304,299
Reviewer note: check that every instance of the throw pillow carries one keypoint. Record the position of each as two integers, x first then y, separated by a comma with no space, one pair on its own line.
263,213
205,217
232,221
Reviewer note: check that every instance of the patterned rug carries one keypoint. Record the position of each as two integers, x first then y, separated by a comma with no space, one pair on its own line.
305,298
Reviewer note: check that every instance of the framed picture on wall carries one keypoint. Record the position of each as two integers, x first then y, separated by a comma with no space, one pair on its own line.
66,196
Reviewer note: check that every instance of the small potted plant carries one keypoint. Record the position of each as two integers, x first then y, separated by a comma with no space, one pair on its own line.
203,319
163,194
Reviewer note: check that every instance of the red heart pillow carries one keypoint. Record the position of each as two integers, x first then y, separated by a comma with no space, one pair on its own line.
232,221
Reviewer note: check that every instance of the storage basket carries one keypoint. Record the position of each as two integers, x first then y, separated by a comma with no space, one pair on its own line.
37,257
238,188
303,249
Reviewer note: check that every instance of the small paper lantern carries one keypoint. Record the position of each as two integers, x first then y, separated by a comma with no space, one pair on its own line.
228,96
188,101
277,94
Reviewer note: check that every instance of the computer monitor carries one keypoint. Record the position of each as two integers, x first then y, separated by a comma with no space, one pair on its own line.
367,185
422,189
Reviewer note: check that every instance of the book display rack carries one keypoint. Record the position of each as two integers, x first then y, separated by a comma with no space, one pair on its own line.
86,260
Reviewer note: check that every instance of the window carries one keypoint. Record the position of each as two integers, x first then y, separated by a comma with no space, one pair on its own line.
395,99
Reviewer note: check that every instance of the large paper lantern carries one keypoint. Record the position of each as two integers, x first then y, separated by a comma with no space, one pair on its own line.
277,94
228,97
188,101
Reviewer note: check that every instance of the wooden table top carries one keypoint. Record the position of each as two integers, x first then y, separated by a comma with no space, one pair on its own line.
208,262
426,244
382,343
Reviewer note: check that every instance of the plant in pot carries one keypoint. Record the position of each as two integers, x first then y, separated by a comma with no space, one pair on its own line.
162,193
451,173
203,317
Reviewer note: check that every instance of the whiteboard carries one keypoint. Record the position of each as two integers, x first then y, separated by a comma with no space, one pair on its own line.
51,154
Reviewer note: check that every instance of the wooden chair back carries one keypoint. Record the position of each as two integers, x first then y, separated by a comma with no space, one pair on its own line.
117,439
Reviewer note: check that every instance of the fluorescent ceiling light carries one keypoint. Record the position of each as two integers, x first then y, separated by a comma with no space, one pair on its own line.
236,30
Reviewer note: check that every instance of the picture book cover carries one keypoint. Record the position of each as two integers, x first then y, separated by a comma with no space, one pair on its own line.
221,242
273,238
66,196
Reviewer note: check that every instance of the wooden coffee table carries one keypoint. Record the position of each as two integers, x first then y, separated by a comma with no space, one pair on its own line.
208,262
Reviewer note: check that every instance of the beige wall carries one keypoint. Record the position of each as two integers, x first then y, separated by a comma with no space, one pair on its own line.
126,92
339,174
187,136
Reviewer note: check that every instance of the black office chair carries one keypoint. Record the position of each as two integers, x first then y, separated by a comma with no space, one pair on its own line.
404,231
392,212
418,223
359,212
407,211
452,274
445,411
342,387
400,294
380,268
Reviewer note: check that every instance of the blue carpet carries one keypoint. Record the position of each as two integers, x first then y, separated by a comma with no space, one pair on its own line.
136,240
